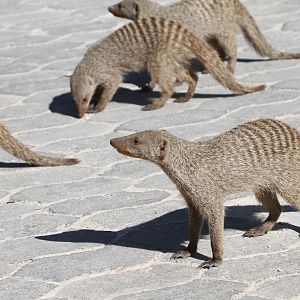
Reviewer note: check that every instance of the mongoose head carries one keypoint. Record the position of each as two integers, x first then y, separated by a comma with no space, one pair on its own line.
82,90
149,145
128,9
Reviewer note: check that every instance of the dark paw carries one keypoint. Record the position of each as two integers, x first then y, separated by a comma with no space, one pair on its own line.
181,255
210,263
152,106
254,232
181,100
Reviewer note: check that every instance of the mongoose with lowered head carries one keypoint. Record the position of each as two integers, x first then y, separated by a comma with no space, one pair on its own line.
215,21
262,155
16,148
162,46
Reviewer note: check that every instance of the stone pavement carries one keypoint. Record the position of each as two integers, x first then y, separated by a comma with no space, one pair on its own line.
105,229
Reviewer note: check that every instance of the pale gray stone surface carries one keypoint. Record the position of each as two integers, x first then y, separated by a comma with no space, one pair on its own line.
105,229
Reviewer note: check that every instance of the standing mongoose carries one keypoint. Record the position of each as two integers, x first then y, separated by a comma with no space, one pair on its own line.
215,21
262,155
162,46
16,148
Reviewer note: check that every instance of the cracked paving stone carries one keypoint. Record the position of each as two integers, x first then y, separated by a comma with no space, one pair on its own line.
128,281
30,177
193,290
60,268
64,191
88,205
15,288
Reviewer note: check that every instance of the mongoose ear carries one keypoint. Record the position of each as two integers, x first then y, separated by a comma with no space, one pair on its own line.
90,80
164,148
136,10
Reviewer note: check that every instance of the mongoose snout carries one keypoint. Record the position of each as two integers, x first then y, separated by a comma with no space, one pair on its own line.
262,155
126,146
113,9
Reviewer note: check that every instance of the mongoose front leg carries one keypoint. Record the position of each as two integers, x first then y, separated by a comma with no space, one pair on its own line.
216,231
270,202
108,92
195,226
228,44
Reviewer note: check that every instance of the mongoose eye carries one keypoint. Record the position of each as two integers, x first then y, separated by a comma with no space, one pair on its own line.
85,100
136,141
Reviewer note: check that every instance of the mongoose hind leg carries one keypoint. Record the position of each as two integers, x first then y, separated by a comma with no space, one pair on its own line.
270,202
195,226
214,42
292,196
216,232
191,78
228,44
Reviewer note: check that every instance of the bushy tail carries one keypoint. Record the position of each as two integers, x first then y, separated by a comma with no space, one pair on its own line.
16,148
254,36
211,60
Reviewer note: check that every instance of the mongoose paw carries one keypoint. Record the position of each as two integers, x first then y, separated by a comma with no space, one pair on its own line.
99,108
182,99
145,89
91,109
210,263
152,106
181,254
256,231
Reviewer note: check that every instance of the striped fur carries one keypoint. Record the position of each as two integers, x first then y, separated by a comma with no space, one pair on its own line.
262,156
16,148
215,21
162,46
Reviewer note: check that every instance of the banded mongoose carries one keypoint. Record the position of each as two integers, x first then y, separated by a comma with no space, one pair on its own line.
16,148
215,21
262,155
162,46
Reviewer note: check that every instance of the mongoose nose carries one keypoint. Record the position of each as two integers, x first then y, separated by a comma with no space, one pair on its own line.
111,9
112,142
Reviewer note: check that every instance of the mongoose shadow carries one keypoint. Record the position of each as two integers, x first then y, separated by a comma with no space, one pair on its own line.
250,60
63,104
167,232
13,165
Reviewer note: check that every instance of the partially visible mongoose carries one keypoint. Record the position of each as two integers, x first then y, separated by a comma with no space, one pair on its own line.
162,46
262,155
16,148
215,21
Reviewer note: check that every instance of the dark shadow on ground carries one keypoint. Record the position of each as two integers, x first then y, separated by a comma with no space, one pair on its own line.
63,104
249,60
14,165
166,232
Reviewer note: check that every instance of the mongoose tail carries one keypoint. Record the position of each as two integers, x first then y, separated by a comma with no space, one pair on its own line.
256,39
211,60
16,148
